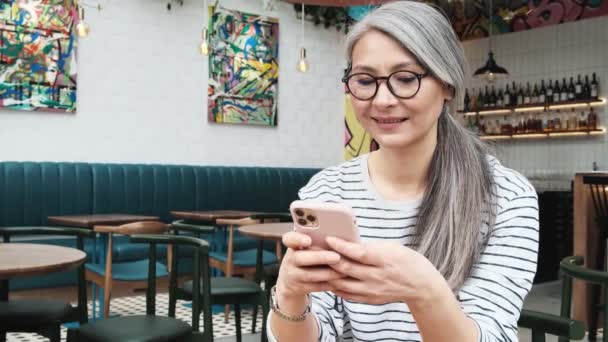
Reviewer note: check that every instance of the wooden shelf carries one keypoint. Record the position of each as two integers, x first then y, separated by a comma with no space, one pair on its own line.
545,135
537,107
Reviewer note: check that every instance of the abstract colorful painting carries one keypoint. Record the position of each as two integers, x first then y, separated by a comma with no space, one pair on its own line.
243,68
38,55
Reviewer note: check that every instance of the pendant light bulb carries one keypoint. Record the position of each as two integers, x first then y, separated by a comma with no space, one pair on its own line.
203,49
303,65
82,29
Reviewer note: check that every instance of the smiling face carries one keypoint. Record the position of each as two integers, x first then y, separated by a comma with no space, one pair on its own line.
393,122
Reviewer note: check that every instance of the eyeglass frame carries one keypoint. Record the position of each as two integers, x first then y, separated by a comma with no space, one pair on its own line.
347,77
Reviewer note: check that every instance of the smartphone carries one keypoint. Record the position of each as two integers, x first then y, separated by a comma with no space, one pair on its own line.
319,220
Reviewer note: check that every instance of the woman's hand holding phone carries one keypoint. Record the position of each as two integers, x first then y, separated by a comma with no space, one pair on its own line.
304,270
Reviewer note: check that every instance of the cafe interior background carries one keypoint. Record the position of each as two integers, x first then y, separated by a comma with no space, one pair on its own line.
136,87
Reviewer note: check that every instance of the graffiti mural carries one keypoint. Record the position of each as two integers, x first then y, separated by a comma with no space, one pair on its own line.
470,18
37,55
243,68
356,140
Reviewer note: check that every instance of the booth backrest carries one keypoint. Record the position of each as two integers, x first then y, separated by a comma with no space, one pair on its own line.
31,191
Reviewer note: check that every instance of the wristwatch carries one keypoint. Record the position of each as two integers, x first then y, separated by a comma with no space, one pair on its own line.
274,305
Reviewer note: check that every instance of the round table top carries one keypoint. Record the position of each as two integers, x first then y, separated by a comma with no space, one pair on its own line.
267,231
28,259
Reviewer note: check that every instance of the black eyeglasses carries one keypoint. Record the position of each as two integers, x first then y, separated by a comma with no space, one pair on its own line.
403,84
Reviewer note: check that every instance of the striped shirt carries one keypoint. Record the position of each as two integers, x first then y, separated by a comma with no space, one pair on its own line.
492,296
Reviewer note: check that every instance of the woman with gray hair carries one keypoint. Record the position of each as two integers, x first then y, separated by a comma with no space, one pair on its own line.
449,235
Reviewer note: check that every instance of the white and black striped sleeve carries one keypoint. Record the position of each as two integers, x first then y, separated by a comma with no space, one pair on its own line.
493,296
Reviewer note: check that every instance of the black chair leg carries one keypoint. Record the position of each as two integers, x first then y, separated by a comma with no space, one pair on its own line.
172,305
53,333
254,318
237,321
265,308
2,336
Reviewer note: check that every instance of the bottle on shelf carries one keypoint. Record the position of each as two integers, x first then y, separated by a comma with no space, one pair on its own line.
506,99
571,90
594,87
542,94
586,88
534,98
513,100
543,125
572,123
499,99
556,92
493,98
486,98
557,121
563,91
591,120
520,96
527,94
549,96
578,88
467,101
582,121
480,100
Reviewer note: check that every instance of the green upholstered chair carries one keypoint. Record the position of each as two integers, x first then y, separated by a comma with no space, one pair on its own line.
42,316
598,187
223,290
543,323
149,327
573,268
127,274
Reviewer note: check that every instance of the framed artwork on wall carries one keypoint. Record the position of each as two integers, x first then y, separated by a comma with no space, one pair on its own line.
243,68
38,55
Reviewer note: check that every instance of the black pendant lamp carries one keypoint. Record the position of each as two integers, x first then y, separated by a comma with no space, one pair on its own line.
491,70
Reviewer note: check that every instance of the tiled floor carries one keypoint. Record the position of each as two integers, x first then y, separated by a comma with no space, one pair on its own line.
543,297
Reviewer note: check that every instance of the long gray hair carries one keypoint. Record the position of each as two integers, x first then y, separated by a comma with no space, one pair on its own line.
458,198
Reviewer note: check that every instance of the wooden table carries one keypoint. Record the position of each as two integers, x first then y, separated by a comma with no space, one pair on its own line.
268,231
89,221
586,236
211,216
30,259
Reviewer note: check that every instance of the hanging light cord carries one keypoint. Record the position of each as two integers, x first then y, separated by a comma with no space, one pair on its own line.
302,24
490,25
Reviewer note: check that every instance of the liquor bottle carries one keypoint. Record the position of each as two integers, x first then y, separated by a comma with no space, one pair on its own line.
499,99
556,92
582,121
542,95
572,124
520,96
506,100
467,101
543,124
563,91
594,87
527,94
480,100
534,98
578,88
586,88
592,119
493,98
571,90
513,100
557,121
486,97
521,127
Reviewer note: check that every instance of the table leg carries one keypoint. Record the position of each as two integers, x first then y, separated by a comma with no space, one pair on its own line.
279,251
3,290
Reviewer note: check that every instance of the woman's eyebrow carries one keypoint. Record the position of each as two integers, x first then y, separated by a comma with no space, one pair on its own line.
367,68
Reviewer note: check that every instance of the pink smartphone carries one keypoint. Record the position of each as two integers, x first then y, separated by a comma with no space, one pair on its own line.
318,220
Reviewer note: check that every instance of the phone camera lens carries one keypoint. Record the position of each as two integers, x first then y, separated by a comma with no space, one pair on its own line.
311,218
299,212
302,222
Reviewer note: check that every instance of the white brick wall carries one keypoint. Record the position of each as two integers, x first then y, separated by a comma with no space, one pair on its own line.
552,52
141,88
